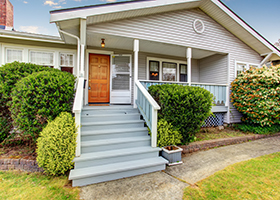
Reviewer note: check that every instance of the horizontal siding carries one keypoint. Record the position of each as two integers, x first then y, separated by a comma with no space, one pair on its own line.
213,69
176,28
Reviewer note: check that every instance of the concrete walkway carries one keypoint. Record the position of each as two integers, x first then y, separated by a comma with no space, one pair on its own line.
171,183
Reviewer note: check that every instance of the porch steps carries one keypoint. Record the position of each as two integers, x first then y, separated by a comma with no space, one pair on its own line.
115,144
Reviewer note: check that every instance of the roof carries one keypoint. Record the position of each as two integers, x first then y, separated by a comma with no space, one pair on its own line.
30,36
69,18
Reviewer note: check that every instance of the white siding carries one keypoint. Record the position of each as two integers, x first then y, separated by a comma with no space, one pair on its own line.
176,28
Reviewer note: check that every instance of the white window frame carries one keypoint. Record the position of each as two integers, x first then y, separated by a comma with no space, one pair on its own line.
12,48
161,60
243,63
41,51
67,54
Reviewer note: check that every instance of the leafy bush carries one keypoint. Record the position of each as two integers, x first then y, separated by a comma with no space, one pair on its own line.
256,94
257,129
184,107
9,74
39,98
167,135
56,145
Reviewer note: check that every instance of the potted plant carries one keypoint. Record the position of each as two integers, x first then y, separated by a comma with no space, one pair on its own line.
173,154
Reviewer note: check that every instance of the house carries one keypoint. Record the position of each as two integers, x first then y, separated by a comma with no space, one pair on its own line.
118,50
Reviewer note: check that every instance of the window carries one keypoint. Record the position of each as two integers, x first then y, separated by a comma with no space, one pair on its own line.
66,62
243,66
169,71
121,71
183,73
159,69
154,70
41,58
14,55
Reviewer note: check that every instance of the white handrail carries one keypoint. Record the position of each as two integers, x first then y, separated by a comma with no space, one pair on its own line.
186,83
147,95
77,109
149,112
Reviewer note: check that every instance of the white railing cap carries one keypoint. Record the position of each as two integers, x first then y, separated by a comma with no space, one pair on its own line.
78,101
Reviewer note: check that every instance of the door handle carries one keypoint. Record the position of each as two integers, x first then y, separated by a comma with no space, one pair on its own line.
89,88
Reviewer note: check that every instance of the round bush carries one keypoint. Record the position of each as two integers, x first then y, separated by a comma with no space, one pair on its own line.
166,134
256,94
184,107
56,145
10,73
40,97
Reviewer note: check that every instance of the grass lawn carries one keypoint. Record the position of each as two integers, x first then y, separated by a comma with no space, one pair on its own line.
254,179
215,133
20,185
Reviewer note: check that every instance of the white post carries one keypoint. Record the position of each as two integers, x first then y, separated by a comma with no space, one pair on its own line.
189,61
78,140
83,37
154,128
228,90
136,50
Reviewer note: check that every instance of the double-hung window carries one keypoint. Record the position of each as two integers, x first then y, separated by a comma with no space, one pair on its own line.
13,55
66,62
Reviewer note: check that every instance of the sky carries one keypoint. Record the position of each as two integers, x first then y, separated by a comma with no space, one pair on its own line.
33,15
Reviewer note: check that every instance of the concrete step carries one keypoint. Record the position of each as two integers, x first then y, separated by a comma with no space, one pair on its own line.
113,133
96,174
110,117
115,143
91,110
115,156
88,126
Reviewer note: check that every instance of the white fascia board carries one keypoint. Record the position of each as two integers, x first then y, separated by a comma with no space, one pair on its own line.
245,26
100,10
33,39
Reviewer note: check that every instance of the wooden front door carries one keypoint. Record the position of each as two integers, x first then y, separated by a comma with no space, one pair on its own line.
99,78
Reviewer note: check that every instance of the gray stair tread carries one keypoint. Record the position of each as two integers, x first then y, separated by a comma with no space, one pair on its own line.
109,115
109,131
112,122
117,152
115,168
112,107
108,142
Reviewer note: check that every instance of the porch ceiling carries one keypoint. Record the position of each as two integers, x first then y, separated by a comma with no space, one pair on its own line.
115,42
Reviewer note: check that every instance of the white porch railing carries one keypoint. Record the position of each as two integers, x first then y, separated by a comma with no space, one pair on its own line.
148,107
218,90
77,109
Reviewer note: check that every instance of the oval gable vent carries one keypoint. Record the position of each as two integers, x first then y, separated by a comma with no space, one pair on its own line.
198,26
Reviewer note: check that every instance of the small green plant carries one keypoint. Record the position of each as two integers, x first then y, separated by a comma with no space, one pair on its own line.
56,145
184,107
258,129
40,97
166,134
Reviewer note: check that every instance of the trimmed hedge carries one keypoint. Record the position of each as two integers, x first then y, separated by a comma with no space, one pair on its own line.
41,97
185,107
167,135
57,144
9,74
256,94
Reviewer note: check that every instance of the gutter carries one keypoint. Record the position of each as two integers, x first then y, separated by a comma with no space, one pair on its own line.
78,47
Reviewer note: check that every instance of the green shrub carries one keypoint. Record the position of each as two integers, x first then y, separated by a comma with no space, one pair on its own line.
5,128
9,74
257,129
40,97
56,145
184,107
166,134
256,94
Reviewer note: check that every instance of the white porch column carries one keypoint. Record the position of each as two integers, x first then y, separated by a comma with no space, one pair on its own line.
136,50
189,61
83,37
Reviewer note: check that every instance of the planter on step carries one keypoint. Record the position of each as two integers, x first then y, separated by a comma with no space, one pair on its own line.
173,154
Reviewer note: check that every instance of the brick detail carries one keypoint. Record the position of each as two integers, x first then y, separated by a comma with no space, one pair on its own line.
20,164
209,144
6,13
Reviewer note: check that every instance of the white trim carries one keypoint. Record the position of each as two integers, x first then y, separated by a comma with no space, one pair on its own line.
94,51
161,60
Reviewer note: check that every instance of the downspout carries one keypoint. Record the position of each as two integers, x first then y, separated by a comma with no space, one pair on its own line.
265,59
78,48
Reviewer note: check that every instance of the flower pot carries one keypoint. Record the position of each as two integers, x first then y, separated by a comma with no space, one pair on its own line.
173,154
